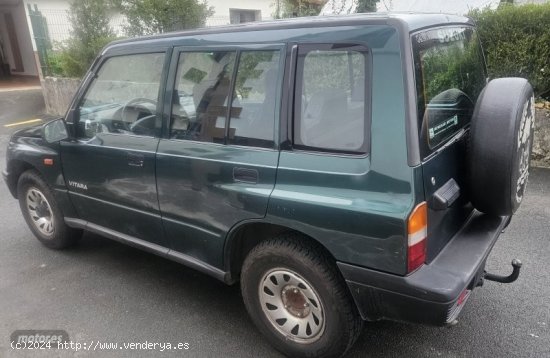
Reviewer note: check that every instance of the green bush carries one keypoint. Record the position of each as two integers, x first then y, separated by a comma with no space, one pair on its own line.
147,17
91,31
55,68
516,40
292,8
76,57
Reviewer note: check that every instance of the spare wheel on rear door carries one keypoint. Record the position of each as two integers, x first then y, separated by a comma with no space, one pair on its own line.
500,145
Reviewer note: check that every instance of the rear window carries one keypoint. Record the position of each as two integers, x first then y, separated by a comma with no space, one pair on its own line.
330,98
450,74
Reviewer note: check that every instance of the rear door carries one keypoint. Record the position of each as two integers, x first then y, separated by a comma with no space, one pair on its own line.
217,162
450,74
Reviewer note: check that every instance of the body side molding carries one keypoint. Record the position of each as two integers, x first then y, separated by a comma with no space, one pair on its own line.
162,251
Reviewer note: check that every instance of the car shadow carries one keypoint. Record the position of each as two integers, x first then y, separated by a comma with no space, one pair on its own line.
178,291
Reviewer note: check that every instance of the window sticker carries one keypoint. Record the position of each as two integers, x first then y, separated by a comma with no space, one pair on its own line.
443,126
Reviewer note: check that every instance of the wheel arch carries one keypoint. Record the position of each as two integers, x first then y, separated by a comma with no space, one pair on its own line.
244,236
16,167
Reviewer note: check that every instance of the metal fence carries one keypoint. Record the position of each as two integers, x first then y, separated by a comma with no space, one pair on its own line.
59,29
51,29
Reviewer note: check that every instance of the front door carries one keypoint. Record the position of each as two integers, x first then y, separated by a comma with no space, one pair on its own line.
110,167
216,166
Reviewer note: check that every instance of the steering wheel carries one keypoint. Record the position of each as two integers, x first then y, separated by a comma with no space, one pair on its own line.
135,101
142,123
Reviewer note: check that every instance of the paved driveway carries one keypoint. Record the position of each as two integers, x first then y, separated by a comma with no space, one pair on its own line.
104,291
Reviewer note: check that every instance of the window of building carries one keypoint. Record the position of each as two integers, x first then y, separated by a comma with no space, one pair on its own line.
240,16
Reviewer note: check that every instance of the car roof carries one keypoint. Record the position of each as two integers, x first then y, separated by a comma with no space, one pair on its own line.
409,21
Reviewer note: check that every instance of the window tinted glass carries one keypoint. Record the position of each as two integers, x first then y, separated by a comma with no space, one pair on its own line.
450,74
200,103
255,98
123,97
331,100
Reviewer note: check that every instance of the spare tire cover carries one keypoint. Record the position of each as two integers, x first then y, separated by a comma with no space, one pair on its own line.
501,140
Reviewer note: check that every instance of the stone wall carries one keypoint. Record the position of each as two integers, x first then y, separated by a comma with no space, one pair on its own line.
541,145
58,94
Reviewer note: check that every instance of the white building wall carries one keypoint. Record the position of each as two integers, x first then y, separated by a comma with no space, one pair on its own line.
221,8
458,7
55,12
57,18
23,38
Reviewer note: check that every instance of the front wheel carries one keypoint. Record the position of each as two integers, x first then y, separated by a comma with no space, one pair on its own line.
298,300
42,214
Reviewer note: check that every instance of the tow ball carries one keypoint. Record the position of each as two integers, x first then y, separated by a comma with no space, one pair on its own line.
516,266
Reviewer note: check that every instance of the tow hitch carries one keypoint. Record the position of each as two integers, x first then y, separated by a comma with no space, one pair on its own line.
516,266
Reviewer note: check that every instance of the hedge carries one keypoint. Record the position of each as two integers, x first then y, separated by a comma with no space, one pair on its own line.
516,40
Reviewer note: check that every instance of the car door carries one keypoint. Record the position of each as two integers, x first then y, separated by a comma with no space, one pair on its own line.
110,166
217,162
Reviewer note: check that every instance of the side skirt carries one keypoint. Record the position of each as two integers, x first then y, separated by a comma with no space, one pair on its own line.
162,251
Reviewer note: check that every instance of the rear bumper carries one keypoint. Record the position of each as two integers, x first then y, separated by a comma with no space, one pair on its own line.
435,293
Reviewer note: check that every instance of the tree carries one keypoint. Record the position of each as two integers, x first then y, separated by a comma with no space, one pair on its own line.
339,7
90,21
146,17
297,8
366,5
91,31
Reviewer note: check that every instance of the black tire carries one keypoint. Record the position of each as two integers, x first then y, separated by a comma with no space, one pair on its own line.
500,145
31,184
289,253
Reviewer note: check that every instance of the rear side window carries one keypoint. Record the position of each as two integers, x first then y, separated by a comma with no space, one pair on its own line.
450,74
252,121
201,94
227,97
330,100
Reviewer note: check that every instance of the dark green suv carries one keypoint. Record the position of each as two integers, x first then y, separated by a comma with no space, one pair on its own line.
342,169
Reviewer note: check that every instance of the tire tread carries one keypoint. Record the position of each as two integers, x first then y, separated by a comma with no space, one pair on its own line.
326,267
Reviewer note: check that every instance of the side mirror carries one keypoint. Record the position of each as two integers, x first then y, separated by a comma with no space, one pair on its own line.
55,131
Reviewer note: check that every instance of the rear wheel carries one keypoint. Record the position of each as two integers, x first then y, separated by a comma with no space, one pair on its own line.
42,214
298,300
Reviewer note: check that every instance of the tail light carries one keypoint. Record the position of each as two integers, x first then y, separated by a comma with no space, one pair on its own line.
417,234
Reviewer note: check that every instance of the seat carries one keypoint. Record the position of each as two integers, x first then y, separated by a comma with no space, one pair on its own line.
323,115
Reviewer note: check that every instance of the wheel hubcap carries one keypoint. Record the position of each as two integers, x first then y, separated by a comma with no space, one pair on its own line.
292,306
40,211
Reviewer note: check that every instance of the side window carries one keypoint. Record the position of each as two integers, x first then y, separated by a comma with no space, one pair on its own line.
200,107
330,110
201,95
123,97
255,99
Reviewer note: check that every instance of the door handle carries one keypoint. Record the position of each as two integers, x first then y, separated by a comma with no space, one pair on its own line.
245,175
136,160
445,196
